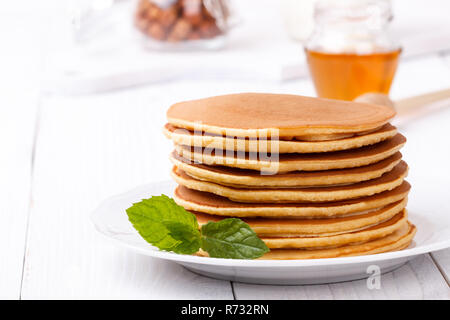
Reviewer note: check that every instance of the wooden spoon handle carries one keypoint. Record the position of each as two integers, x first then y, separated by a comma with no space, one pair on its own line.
408,105
405,106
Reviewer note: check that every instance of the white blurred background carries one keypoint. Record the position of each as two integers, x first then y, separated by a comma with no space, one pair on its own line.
88,46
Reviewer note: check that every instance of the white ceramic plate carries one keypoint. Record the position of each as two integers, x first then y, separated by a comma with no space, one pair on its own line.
111,220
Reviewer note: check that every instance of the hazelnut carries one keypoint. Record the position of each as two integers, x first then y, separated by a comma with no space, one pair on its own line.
207,15
192,11
180,30
194,35
153,12
142,8
168,16
155,30
194,20
209,29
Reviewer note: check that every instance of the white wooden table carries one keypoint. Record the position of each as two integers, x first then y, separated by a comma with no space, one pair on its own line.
61,155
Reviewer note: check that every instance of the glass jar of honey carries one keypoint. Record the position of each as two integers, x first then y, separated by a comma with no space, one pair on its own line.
350,52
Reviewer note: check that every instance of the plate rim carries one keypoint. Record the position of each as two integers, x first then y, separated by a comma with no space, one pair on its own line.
157,253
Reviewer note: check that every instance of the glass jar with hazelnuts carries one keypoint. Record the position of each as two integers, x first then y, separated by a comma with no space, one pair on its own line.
183,23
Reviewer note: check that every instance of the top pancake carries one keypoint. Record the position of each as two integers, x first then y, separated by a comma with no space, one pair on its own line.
268,115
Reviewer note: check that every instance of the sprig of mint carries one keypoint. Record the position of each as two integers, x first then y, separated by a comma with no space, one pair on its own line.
168,226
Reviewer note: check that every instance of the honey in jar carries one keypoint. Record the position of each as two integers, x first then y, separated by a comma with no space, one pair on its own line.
346,76
350,52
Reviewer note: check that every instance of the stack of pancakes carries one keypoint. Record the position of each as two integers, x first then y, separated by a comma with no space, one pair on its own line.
314,178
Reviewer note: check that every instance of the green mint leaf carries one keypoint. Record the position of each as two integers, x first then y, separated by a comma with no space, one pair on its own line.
232,238
166,225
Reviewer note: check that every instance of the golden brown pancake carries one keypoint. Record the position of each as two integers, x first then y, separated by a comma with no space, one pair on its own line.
216,205
318,242
387,181
288,228
260,114
296,161
188,138
397,240
236,177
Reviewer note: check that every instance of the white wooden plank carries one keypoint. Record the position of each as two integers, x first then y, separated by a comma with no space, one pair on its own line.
442,259
418,279
21,28
16,139
433,284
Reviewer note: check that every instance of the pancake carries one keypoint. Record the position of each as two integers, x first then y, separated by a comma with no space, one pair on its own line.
188,138
193,200
368,234
249,178
387,181
397,240
296,161
267,115
328,137
320,241
288,228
